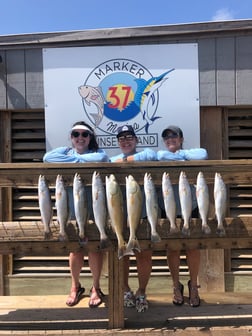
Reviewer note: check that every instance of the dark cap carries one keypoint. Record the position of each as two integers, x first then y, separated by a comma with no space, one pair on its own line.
173,129
125,128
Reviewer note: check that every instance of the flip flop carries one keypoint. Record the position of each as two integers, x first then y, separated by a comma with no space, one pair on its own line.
72,300
97,294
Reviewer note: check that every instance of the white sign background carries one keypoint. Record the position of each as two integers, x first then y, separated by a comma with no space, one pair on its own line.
66,69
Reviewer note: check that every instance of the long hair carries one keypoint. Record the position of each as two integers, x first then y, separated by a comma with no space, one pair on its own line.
93,145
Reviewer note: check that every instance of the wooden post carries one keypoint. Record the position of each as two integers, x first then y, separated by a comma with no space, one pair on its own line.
211,275
116,308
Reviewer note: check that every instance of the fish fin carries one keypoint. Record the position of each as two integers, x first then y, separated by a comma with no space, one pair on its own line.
63,237
221,231
83,241
174,229
186,231
155,238
47,235
155,118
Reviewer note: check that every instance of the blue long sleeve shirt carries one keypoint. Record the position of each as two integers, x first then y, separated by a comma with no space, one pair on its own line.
182,155
69,154
146,155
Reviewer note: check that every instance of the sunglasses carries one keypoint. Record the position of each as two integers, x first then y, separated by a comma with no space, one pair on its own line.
170,136
126,138
76,134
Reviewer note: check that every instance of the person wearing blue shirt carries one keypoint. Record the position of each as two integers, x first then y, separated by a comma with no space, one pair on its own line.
128,141
173,140
84,149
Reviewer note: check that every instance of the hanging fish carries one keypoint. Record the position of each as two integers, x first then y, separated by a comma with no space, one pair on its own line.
169,202
151,201
80,205
115,210
185,197
220,201
134,210
99,208
45,205
62,206
202,195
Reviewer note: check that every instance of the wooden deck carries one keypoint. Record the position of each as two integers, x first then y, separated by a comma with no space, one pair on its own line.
219,314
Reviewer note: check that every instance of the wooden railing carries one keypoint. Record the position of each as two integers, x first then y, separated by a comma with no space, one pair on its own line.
26,238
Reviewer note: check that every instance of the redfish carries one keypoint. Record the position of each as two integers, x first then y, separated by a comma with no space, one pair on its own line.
169,202
220,202
185,197
151,202
80,205
45,205
115,210
62,206
99,208
134,210
202,195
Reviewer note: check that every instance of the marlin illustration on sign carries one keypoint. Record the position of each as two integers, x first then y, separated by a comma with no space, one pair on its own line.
145,94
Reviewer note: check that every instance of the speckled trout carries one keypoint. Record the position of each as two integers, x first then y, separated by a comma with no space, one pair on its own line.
115,210
62,207
151,202
185,197
220,202
99,208
45,205
202,195
80,205
134,210
169,202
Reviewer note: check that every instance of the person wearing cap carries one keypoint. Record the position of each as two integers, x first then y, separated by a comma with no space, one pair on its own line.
173,140
84,149
127,141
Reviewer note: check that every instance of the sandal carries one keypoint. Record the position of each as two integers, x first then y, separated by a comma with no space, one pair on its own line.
95,294
75,295
129,299
178,295
194,299
141,303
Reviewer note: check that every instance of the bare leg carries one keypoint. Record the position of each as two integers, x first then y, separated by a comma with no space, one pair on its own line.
95,260
75,264
173,259
193,261
144,267
126,265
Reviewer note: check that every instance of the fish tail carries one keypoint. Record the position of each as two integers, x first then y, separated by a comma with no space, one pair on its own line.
122,251
155,238
132,245
104,243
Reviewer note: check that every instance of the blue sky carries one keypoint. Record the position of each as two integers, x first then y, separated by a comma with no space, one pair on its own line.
33,16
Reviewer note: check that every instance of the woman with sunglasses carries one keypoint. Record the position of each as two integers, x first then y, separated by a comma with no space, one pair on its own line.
84,149
173,140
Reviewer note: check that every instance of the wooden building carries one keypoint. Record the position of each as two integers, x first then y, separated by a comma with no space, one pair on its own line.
225,80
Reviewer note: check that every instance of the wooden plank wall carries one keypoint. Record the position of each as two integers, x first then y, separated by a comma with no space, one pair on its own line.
225,71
